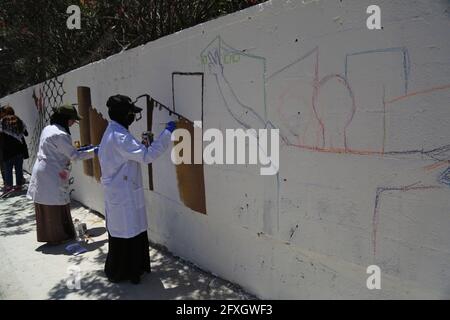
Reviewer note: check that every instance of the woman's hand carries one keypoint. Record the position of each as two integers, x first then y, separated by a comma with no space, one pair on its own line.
171,126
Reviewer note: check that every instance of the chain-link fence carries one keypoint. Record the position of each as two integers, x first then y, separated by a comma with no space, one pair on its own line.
50,95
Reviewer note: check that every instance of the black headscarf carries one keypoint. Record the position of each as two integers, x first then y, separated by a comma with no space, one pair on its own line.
60,119
122,110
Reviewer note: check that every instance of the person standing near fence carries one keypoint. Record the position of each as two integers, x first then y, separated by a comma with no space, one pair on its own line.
13,148
49,183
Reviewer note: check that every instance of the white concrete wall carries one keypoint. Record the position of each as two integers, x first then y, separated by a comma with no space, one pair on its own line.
364,117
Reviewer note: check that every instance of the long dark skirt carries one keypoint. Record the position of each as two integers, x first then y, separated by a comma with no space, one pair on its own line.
127,259
53,223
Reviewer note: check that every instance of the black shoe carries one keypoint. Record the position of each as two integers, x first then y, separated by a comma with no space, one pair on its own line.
136,280
113,280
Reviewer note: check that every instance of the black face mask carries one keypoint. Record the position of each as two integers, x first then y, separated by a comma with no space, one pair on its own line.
124,117
130,118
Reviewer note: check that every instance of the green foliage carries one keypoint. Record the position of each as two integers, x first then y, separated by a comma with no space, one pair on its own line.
36,44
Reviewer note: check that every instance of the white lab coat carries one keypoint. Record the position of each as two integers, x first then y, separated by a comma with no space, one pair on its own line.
120,157
49,183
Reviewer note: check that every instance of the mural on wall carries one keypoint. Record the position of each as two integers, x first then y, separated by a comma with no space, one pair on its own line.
318,125
364,173
333,107
326,124
380,191
445,177
217,58
337,140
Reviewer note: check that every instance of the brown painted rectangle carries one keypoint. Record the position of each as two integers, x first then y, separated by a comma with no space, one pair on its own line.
190,177
84,105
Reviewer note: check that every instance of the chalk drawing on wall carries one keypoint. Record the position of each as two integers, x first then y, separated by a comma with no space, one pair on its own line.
336,115
187,94
406,63
445,177
440,156
333,131
442,159
327,120
392,69
215,53
223,64
354,192
46,96
376,212
293,100
389,90
405,112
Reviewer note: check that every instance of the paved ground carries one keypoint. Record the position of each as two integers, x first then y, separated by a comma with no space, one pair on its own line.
33,270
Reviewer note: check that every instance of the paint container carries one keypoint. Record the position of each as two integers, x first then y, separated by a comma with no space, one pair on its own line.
79,229
147,137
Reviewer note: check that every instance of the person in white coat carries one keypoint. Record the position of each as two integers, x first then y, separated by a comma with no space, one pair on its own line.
121,156
49,183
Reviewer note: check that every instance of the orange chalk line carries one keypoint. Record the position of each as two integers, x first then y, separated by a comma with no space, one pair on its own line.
436,165
445,87
368,152
337,150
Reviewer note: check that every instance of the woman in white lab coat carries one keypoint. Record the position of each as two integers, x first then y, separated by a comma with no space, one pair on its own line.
49,183
121,156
